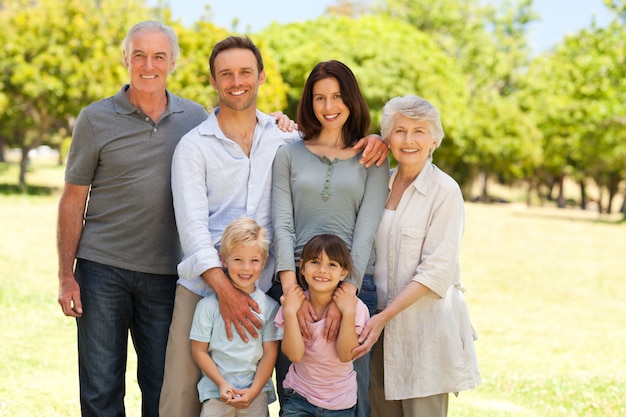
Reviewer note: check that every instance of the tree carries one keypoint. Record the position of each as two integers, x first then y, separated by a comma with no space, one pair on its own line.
490,48
57,57
388,57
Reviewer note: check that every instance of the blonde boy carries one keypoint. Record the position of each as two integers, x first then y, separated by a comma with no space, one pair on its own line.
236,375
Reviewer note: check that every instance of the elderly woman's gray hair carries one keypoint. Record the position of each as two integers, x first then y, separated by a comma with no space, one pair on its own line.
415,108
154,26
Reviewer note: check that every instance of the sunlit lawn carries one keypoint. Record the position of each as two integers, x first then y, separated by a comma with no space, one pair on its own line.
545,288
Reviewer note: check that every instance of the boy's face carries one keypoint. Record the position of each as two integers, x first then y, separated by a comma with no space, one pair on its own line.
244,264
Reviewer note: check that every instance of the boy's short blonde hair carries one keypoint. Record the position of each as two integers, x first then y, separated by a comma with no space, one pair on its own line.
247,232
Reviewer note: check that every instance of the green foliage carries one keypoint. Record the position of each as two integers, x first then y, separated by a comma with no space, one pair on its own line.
57,57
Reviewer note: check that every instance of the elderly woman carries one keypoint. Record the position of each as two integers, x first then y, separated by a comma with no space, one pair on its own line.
427,348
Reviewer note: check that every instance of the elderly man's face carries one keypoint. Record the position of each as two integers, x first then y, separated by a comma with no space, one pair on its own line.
149,61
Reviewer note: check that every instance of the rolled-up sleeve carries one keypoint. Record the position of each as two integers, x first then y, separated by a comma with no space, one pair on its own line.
189,190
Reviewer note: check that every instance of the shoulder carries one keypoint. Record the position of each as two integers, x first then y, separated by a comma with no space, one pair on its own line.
444,180
208,303
291,149
269,125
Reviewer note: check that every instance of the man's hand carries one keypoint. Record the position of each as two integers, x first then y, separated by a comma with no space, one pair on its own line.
69,297
375,150
236,306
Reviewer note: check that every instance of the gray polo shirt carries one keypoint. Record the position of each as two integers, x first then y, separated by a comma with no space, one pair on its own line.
126,158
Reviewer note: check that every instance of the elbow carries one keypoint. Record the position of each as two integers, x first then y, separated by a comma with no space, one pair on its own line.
345,358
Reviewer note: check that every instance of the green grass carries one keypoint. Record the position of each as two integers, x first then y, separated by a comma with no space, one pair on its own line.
545,289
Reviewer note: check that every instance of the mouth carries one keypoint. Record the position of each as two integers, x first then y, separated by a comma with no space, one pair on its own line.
148,77
238,93
244,277
321,279
331,117
409,150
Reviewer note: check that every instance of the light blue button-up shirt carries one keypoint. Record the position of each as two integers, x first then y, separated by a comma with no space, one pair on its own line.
214,183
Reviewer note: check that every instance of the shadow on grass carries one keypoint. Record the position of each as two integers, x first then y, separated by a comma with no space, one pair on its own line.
35,190
572,216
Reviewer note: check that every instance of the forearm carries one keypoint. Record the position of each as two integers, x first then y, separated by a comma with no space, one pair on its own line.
217,280
409,295
266,366
200,354
70,226
293,343
347,339
288,280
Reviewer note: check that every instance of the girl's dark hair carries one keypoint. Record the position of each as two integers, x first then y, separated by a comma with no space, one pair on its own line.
335,248
359,119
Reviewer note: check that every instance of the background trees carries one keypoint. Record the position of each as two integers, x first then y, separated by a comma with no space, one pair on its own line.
509,117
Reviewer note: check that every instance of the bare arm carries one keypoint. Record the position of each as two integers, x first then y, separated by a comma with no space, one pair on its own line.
235,306
347,340
333,317
69,229
200,354
374,326
264,370
293,343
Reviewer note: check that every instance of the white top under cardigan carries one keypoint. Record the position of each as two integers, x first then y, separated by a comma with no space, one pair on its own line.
429,346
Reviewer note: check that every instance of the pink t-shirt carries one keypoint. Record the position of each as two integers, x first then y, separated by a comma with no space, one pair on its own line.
320,376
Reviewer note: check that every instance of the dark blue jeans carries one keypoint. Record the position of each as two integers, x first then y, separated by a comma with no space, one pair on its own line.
297,406
367,294
115,301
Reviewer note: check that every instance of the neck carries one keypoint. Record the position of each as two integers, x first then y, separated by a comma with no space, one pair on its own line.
238,126
407,174
152,104
320,302
330,138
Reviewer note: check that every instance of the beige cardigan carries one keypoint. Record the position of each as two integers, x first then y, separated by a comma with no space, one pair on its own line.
428,347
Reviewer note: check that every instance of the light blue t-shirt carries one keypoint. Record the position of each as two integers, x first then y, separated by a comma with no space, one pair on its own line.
236,360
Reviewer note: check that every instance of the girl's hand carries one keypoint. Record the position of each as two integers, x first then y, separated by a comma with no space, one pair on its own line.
292,299
345,300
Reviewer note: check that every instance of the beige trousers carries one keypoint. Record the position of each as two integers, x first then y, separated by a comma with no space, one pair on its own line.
179,395
433,406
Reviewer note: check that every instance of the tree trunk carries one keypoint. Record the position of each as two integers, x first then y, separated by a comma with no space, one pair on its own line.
583,194
23,167
560,201
3,142
484,195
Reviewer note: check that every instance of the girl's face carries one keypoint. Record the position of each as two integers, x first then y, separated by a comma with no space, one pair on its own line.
328,105
244,264
322,274
411,141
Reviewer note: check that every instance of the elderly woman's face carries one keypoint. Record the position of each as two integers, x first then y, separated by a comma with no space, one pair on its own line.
410,141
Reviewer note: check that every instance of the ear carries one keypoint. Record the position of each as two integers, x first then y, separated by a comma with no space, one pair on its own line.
224,263
125,60
344,274
262,78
